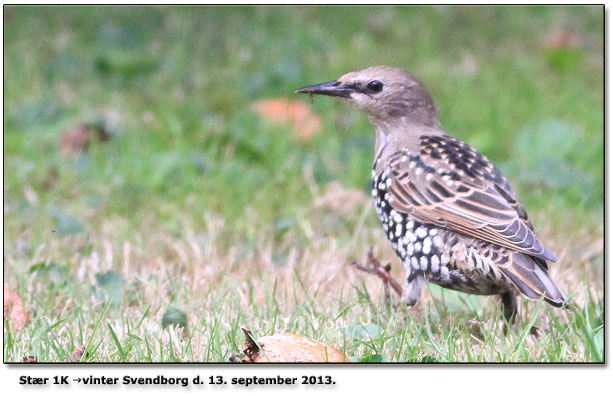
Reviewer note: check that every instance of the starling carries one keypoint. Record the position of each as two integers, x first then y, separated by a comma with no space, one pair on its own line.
450,215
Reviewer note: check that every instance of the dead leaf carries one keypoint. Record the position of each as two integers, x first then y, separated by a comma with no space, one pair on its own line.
288,347
74,140
535,331
561,37
13,309
305,125
77,139
76,355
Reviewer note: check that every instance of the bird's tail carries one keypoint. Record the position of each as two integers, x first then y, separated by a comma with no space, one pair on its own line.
529,275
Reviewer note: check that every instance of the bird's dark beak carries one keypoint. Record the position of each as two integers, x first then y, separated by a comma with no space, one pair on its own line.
330,88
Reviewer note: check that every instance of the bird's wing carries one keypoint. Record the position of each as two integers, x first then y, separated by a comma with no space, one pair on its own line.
450,185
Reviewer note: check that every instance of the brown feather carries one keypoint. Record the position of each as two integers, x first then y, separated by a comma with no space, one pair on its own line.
532,280
466,193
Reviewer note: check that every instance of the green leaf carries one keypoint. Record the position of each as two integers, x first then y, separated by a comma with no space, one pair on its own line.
376,358
66,224
174,315
366,331
111,285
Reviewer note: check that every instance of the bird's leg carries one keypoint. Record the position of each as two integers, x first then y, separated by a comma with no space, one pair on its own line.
509,309
412,291
382,272
509,306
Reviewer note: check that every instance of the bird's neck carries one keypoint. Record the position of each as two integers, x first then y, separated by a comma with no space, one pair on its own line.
381,141
403,134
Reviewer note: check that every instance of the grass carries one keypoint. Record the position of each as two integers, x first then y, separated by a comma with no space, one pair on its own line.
200,213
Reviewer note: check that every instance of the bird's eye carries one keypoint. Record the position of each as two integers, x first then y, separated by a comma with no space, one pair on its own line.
375,86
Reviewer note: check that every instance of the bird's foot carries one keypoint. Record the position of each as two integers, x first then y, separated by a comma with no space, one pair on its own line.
383,272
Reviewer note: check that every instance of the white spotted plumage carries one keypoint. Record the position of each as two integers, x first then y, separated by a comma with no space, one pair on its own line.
418,245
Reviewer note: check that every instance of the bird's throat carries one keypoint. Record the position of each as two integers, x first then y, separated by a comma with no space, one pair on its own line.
381,140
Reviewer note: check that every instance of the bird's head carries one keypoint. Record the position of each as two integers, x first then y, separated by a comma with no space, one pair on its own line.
385,94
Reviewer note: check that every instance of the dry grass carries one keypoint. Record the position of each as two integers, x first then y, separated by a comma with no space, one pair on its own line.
312,291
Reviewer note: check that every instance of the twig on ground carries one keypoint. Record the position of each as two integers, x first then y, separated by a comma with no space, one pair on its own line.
383,272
